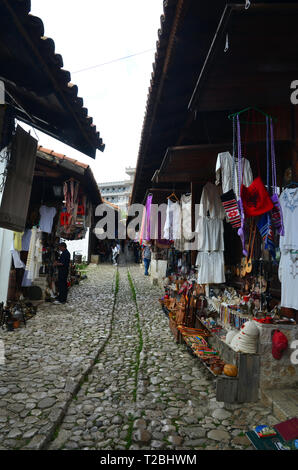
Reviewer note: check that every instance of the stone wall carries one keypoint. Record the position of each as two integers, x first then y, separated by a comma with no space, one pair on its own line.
282,373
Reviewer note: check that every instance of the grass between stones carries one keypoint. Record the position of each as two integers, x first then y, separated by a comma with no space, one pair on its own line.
137,360
139,330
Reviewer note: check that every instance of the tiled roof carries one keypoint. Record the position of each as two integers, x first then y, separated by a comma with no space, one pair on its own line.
39,88
62,157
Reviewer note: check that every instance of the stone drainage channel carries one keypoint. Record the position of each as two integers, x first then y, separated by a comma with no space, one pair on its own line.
104,411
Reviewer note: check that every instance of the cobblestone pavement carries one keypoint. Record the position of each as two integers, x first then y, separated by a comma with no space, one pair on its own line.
147,392
46,361
99,374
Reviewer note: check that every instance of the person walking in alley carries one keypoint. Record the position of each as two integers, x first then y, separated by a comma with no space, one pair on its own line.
63,267
147,257
115,253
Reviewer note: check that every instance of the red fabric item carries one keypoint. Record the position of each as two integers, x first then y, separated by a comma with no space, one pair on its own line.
81,210
279,344
288,429
255,198
64,218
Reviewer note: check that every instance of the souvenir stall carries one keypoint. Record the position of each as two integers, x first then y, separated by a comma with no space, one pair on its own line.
232,308
62,203
209,139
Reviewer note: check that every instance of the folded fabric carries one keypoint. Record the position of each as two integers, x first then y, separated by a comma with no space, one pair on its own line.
255,198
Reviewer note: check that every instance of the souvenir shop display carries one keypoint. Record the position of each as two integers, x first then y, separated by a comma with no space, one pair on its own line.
34,251
219,310
75,215
13,315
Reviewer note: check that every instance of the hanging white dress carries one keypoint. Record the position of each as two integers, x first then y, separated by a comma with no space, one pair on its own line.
288,265
210,241
172,227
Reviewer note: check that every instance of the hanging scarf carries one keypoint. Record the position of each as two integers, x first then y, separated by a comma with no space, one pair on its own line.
148,220
242,214
228,199
265,229
276,213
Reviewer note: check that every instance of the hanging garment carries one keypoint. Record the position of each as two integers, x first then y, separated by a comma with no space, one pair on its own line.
172,228
26,240
31,260
147,232
231,208
183,243
18,264
211,202
276,213
255,199
186,218
211,267
288,276
47,215
210,234
17,240
226,173
89,212
289,204
17,189
265,229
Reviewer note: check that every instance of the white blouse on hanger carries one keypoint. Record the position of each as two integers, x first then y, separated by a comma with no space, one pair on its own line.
224,170
211,202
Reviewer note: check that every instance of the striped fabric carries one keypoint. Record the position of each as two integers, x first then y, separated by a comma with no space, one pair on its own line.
266,231
232,209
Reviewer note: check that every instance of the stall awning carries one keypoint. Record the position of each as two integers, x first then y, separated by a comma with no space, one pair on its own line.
197,163
37,85
252,59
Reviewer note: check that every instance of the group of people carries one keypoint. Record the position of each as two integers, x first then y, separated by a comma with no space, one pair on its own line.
139,252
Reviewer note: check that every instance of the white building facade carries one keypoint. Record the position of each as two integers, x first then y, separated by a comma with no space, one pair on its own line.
118,192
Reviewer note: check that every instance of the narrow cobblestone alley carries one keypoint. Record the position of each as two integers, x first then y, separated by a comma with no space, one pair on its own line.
104,372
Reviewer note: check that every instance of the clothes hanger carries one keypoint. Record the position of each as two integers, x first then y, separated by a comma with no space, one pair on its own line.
254,108
174,196
293,184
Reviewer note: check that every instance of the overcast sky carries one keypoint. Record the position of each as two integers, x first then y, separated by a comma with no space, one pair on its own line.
93,32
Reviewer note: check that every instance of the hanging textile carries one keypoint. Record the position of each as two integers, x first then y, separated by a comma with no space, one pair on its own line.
172,228
183,243
210,241
265,229
14,204
7,125
276,214
47,215
147,234
17,241
289,204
